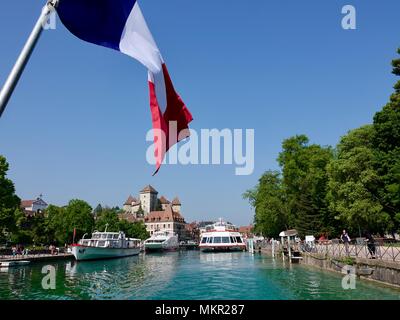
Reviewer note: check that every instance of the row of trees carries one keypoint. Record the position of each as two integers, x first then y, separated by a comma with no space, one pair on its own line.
56,224
321,190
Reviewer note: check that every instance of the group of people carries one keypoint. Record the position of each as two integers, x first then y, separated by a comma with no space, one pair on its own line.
369,239
53,250
346,240
19,250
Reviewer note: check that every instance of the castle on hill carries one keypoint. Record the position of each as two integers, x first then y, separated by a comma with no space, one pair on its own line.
158,213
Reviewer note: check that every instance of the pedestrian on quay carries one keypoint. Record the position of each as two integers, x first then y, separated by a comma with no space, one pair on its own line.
371,244
346,240
14,251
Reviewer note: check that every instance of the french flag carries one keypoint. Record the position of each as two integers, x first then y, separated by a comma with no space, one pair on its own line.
120,25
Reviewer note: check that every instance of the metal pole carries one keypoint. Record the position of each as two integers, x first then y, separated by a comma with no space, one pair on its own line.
24,56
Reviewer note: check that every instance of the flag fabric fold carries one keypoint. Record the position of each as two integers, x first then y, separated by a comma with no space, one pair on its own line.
120,25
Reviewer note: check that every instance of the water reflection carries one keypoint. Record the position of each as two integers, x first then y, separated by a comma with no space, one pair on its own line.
128,278
184,275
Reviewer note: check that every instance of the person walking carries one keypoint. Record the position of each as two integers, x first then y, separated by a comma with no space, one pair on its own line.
346,240
371,244
14,251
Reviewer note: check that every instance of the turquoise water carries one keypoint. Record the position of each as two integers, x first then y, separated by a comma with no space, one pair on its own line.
185,275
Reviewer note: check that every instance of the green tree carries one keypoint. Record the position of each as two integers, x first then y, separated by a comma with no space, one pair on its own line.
396,71
353,182
56,225
108,217
78,214
268,200
9,202
61,221
386,145
98,210
305,184
134,230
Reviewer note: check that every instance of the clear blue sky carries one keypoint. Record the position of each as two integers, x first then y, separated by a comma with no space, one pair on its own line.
76,124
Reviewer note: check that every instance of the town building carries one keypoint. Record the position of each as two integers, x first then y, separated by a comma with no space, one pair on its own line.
33,207
247,231
158,213
166,220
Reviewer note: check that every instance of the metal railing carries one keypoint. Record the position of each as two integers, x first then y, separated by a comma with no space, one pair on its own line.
388,251
380,250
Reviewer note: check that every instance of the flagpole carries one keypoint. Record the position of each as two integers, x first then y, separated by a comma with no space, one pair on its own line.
16,72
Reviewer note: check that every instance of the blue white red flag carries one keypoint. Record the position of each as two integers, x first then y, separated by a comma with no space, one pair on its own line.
120,25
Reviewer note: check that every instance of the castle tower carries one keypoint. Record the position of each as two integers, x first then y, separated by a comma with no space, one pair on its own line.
176,205
148,199
164,202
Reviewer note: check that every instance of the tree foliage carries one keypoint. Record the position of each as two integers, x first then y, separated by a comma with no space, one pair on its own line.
268,200
63,220
109,217
9,202
355,186
353,182
305,183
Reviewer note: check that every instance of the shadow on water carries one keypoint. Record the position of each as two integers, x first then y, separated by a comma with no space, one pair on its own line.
184,275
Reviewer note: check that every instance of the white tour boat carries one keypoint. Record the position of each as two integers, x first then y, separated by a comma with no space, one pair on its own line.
222,236
162,240
106,245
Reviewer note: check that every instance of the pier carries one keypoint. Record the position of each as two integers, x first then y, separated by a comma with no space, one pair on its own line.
36,257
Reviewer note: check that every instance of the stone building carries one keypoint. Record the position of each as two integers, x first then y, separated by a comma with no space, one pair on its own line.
33,207
158,213
166,220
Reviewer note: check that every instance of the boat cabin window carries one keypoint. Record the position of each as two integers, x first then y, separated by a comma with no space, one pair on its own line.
225,239
96,236
233,240
204,240
238,240
217,239
115,236
209,240
101,243
103,236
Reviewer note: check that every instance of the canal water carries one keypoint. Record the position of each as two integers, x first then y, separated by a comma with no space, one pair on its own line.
185,275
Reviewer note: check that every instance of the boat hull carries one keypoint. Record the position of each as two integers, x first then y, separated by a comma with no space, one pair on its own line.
156,247
95,253
222,248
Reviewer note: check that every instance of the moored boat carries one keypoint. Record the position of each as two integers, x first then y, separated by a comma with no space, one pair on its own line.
221,236
106,245
162,241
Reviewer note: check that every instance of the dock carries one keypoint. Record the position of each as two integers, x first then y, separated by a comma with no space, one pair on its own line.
36,257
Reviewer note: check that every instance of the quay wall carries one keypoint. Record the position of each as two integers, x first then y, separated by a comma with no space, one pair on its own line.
38,257
376,270
384,272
